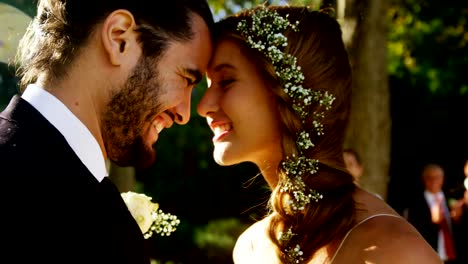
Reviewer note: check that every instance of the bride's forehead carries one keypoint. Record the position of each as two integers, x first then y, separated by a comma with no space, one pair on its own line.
228,56
227,47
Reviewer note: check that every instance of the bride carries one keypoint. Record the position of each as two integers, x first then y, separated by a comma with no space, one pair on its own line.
279,96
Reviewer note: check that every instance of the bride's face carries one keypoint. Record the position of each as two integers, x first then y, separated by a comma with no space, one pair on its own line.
240,110
466,169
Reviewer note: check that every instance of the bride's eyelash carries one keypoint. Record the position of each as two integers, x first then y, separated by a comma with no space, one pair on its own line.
225,82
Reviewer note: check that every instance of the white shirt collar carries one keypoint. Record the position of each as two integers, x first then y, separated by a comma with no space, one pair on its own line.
431,197
75,132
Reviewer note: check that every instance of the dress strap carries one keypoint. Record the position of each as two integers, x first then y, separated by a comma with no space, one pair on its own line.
358,224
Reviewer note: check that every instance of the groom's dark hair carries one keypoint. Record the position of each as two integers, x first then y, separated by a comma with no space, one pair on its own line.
62,27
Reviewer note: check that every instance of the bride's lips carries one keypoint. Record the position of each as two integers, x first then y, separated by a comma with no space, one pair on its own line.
220,130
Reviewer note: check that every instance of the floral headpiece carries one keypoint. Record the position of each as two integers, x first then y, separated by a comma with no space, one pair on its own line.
265,34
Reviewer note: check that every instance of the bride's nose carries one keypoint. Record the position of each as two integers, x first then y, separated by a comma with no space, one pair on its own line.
209,102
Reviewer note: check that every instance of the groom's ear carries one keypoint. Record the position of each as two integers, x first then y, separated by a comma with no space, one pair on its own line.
119,38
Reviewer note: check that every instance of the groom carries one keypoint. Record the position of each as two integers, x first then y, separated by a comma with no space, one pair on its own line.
99,80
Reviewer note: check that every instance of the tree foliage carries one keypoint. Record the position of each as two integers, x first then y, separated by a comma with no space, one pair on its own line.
27,6
428,45
427,62
226,7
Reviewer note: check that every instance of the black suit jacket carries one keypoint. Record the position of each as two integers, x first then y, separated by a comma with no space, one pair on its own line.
461,236
419,215
53,209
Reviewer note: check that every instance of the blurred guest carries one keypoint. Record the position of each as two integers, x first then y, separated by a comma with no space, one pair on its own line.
354,166
460,221
353,163
429,213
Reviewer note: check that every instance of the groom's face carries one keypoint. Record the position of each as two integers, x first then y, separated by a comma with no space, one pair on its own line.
127,113
156,94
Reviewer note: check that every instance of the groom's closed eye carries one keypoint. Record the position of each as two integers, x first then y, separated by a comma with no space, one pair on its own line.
192,76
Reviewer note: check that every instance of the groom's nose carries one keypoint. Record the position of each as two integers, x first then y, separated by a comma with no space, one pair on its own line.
181,111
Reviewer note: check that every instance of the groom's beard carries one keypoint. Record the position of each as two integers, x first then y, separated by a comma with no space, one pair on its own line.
126,114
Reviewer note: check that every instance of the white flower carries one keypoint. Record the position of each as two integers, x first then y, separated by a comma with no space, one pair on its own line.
149,217
141,207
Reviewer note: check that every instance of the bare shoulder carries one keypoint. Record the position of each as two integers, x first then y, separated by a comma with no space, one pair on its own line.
243,245
254,244
244,241
405,244
410,249
253,232
387,239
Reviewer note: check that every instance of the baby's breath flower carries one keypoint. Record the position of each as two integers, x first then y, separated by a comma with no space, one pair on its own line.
303,140
286,236
265,34
295,254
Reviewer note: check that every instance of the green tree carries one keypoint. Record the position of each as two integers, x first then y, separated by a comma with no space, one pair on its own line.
369,126
27,6
427,62
425,44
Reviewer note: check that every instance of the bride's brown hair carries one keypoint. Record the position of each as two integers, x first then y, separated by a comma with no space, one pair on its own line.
321,54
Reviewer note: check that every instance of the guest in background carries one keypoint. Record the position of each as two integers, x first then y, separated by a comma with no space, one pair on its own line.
429,213
459,214
353,163
355,167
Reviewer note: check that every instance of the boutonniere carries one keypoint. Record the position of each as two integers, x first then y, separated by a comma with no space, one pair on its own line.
149,217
